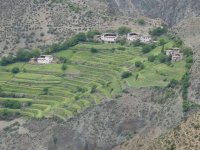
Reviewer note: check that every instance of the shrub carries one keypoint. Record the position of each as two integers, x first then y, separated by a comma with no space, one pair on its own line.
92,33
121,48
94,50
139,64
122,41
93,89
126,74
124,30
63,60
141,21
137,43
7,60
158,31
187,51
12,104
173,83
146,49
163,58
151,58
45,91
15,70
64,67
162,42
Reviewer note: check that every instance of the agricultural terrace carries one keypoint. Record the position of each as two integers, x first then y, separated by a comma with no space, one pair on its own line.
94,72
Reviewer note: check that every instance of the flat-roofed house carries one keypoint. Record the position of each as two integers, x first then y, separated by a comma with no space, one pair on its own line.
145,39
45,59
109,37
133,36
172,51
177,57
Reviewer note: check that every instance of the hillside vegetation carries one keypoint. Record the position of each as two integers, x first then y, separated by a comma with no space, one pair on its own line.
90,73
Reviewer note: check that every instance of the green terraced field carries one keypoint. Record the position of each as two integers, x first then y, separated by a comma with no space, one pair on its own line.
89,79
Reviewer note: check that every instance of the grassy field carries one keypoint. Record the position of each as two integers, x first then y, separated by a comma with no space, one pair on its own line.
47,90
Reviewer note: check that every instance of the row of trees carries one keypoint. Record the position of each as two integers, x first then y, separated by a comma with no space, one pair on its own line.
21,56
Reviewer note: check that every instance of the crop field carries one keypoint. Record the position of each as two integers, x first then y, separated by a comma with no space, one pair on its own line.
89,79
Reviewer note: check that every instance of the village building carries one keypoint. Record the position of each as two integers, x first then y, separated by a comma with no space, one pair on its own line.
109,37
145,39
33,60
45,59
135,36
175,54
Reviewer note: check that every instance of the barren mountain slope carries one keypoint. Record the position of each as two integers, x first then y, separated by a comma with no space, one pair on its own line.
101,127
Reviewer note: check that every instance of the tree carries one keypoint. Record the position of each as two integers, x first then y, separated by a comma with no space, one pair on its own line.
158,31
163,58
35,52
45,91
7,60
23,55
93,89
141,22
162,41
151,58
15,70
146,49
94,50
92,33
139,64
126,74
64,67
173,83
124,30
122,41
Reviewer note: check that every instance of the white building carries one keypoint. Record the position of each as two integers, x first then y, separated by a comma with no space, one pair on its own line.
172,51
109,37
145,39
45,59
133,37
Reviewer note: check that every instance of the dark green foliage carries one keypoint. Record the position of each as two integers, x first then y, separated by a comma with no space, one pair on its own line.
63,60
139,64
15,70
126,74
121,48
12,104
141,22
163,58
94,50
186,105
91,34
178,42
7,60
122,41
138,43
151,58
173,83
64,67
45,91
93,89
162,42
158,31
25,55
124,30
80,89
187,51
146,49
185,85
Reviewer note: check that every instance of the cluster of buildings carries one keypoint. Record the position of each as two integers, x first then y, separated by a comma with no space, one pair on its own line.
112,37
43,59
175,54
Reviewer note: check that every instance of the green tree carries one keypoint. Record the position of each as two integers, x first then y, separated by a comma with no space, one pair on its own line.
15,70
92,33
124,30
139,64
126,74
158,31
151,58
64,67
146,49
45,91
141,22
94,50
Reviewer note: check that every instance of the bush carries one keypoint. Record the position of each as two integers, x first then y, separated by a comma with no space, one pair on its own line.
122,41
45,91
141,21
12,104
93,89
139,64
64,67
146,49
138,43
151,58
15,70
187,51
158,31
94,50
163,58
173,83
7,60
126,74
124,30
92,33
63,60
121,48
